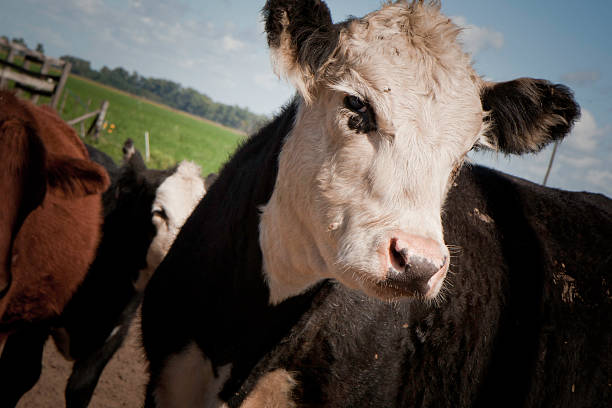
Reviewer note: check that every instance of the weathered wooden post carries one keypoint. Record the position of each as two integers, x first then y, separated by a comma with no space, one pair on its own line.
60,85
61,110
147,152
97,125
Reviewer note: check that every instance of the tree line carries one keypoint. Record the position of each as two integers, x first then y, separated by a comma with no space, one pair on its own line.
169,93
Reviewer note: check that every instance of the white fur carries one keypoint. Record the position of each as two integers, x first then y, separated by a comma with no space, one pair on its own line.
188,380
339,194
177,196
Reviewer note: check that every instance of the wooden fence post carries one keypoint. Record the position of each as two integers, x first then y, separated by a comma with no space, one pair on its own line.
147,152
10,57
97,125
61,111
43,70
60,85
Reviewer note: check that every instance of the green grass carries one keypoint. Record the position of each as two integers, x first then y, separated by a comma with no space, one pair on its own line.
173,135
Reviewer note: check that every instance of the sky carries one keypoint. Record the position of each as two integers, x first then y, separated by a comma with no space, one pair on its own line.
219,48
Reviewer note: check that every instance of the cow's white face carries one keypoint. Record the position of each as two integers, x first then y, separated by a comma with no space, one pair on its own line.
384,123
174,202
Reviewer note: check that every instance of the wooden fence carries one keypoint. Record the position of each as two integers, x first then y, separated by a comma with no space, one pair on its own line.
49,80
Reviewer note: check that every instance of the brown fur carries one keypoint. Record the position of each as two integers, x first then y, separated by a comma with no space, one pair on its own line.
51,215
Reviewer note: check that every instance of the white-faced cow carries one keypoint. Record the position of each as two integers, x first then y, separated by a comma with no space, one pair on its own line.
143,211
316,271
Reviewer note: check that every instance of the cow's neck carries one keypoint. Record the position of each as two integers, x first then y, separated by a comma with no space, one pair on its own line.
236,294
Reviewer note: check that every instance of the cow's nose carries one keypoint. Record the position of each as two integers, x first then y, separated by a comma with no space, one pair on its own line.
416,265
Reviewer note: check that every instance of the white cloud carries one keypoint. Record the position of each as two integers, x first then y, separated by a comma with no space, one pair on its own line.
586,132
476,39
231,44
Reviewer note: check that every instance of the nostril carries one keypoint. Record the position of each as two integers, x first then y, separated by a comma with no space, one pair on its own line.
397,255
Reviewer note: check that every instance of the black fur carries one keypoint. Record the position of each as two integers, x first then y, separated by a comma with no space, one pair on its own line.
313,35
507,335
210,179
527,114
105,160
107,297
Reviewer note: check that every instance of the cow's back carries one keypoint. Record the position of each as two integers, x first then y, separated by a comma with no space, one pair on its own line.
58,240
552,250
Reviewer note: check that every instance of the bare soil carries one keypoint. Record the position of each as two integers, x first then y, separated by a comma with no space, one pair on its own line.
122,383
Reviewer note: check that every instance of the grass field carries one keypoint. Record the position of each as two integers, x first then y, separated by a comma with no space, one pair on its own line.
173,135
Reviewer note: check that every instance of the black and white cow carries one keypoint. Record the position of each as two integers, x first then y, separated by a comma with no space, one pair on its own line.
346,257
143,211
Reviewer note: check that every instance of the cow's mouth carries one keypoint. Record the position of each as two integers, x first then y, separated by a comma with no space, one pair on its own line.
391,289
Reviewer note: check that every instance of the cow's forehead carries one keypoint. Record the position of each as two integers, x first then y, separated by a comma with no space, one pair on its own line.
402,50
412,71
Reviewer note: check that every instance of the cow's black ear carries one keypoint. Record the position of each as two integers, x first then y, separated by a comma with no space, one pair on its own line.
301,37
136,162
526,114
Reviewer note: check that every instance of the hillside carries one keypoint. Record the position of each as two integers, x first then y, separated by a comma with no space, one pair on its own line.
169,93
174,135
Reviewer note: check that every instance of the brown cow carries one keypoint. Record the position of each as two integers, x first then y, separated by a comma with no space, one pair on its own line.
50,213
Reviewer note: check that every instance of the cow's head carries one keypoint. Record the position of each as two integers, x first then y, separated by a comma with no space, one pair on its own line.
389,105
147,208
28,171
174,202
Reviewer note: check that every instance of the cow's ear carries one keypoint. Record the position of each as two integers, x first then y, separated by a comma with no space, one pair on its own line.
301,37
74,177
30,153
136,162
526,114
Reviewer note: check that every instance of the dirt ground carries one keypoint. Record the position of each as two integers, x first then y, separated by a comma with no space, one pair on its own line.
122,383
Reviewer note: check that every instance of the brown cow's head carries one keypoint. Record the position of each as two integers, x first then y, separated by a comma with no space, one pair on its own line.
389,105
28,172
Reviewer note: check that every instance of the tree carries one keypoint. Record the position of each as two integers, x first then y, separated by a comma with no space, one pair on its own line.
170,93
20,41
40,48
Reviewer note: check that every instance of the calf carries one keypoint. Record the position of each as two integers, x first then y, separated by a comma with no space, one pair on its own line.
143,211
316,270
50,218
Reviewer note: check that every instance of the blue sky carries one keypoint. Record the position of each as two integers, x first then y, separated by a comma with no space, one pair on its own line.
218,47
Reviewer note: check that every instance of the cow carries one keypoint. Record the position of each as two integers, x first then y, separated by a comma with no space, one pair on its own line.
50,216
210,179
346,256
143,211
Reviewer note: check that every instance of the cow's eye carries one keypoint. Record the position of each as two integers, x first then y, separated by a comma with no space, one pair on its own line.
355,104
160,212
363,119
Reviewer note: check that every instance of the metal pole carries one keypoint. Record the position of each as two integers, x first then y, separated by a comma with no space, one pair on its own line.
552,158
